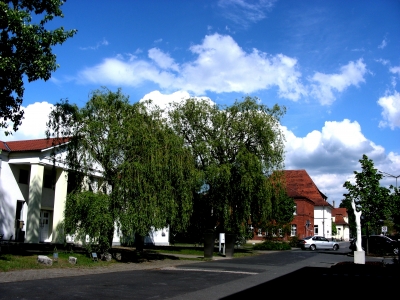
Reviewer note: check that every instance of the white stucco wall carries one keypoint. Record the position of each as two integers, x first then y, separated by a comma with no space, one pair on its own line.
323,218
10,193
158,237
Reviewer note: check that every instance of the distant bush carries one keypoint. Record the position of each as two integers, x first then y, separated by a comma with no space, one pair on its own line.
272,245
293,241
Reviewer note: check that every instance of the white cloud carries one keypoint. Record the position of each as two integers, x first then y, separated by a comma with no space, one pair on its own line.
133,72
331,155
34,123
358,50
391,110
395,70
244,12
382,61
383,44
326,84
220,66
163,60
162,100
104,42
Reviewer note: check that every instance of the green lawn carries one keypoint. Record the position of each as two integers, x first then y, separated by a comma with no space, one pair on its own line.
10,262
28,259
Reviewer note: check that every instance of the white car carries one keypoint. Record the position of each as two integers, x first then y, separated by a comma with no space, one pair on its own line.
317,243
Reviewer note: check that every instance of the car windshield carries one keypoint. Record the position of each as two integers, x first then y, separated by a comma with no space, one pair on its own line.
308,237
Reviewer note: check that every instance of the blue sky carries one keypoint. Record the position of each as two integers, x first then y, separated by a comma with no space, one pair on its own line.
335,65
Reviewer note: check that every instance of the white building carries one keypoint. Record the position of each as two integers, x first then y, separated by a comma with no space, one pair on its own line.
323,219
341,219
33,192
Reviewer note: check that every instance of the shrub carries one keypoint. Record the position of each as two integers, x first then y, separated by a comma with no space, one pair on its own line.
293,241
271,245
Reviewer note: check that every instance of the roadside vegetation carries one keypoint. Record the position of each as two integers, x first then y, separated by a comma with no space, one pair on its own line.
25,261
273,245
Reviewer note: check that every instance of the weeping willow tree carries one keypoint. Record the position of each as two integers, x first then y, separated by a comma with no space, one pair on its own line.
131,171
236,148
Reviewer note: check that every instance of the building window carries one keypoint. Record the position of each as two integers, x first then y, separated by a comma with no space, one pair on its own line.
295,210
315,229
48,181
280,232
293,231
23,176
259,233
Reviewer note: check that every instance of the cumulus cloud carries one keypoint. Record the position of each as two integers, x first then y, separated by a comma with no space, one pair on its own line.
132,72
162,100
390,110
244,12
331,155
163,60
220,66
324,86
34,123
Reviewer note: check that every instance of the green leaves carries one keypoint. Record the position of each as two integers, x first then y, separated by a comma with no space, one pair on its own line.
87,215
26,50
148,174
370,198
235,148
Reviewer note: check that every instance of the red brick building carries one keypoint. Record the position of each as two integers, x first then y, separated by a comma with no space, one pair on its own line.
311,207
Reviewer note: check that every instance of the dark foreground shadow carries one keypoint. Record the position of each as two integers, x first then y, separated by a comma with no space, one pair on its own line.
309,281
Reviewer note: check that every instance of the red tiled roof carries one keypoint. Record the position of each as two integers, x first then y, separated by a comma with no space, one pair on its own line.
339,220
339,211
300,184
32,145
3,146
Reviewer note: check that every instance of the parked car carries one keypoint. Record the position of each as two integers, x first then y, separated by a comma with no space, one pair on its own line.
317,243
377,244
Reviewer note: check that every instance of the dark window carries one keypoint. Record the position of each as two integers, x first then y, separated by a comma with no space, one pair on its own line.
23,176
48,181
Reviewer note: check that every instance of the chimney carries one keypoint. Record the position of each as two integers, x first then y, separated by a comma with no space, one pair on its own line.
333,203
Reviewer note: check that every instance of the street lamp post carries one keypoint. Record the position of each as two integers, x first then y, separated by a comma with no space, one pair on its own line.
389,175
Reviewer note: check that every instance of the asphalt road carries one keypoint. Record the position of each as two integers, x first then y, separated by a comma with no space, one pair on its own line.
286,272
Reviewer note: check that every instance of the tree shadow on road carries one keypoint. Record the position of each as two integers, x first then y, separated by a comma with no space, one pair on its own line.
354,280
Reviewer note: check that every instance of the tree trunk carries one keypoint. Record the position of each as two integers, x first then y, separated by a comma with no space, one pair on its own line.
139,242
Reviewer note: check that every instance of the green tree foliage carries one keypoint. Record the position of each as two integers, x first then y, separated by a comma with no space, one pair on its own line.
127,153
26,50
370,198
346,203
236,148
86,216
334,229
394,200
